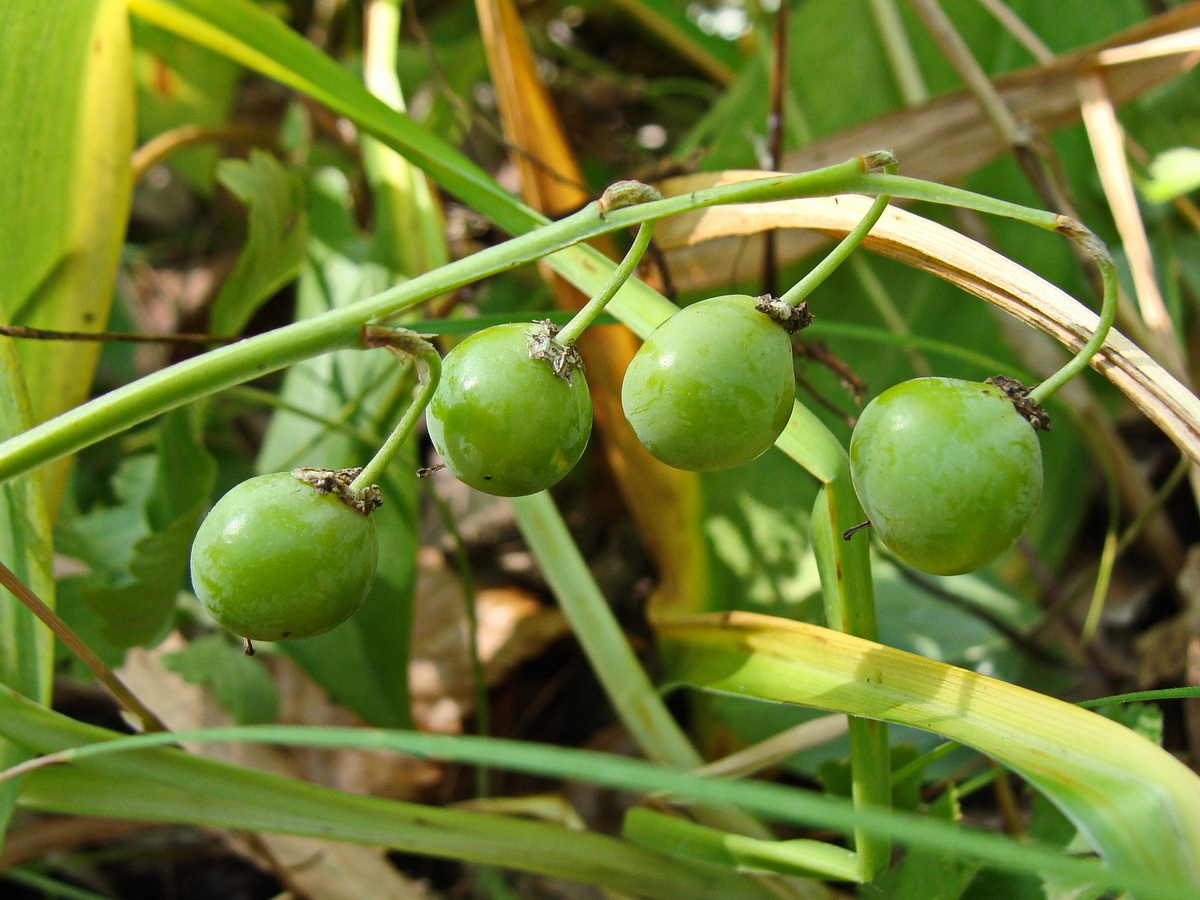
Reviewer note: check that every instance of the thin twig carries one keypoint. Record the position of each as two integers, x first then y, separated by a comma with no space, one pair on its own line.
1022,641
1032,154
163,145
76,644
112,337
1022,33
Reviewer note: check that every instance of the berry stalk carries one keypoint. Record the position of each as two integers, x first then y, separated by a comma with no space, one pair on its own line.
405,345
847,245
582,319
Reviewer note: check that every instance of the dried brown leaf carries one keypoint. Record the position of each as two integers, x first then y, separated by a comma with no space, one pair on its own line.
951,136
1108,148
513,627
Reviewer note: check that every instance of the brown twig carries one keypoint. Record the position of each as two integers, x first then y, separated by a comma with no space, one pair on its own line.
76,644
111,337
163,145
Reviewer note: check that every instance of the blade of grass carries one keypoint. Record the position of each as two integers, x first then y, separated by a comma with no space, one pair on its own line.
164,784
186,788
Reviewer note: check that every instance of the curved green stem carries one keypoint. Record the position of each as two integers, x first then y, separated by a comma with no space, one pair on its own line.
412,345
341,328
840,253
1108,313
915,189
582,319
904,187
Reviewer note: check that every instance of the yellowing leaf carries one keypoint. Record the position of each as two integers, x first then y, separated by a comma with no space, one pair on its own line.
66,100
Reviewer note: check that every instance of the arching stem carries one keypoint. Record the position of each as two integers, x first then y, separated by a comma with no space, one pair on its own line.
582,319
405,345
1095,248
838,255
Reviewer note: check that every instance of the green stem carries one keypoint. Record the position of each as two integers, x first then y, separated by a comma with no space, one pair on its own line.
373,470
582,319
848,590
899,50
632,694
1108,313
907,188
838,254
915,189
340,328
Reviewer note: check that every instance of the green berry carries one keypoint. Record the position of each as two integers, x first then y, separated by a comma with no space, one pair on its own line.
712,387
279,559
948,472
505,423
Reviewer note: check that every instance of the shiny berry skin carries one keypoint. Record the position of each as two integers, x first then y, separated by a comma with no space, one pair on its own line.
276,559
948,472
712,387
504,423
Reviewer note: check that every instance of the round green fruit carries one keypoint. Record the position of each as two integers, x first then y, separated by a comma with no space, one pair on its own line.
505,423
948,472
279,559
712,387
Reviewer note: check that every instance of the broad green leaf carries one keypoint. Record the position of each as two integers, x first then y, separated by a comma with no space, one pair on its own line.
66,100
182,84
240,683
139,549
72,606
276,240
927,874
1137,805
756,522
364,662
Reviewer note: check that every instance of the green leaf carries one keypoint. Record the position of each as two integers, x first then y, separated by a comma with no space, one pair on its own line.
253,37
168,785
276,241
1172,174
240,683
66,100
756,522
180,83
927,874
72,606
139,549
1138,805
